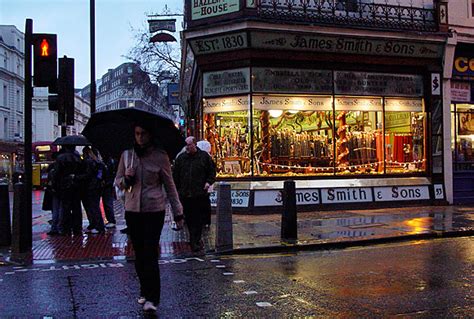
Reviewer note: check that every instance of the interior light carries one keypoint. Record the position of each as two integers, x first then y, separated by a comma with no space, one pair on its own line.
275,113
292,111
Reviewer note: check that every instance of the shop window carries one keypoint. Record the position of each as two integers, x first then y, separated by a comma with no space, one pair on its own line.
359,136
226,127
463,137
292,135
405,131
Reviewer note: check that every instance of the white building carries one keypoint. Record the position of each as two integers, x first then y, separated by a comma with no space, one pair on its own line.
45,122
11,97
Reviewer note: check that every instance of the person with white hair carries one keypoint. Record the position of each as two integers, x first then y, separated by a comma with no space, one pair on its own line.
194,172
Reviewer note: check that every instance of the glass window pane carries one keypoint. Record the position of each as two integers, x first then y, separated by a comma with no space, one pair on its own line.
359,142
226,127
464,153
405,131
293,135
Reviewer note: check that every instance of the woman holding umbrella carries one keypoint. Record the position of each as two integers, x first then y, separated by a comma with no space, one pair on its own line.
142,172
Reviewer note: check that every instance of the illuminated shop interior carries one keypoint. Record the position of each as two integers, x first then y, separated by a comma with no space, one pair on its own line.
462,124
283,135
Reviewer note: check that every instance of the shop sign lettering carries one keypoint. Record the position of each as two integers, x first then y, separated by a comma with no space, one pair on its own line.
358,104
346,195
201,9
438,191
239,198
397,119
226,82
306,103
463,66
228,42
401,193
275,197
349,45
226,104
403,105
292,80
460,91
367,83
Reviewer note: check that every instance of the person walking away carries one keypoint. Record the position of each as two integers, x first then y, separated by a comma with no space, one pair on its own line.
69,167
52,190
143,171
194,172
204,145
108,191
91,189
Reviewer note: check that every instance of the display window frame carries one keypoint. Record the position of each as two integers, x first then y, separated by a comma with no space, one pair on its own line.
459,112
374,104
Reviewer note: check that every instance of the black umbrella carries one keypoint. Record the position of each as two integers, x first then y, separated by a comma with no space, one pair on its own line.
72,140
111,132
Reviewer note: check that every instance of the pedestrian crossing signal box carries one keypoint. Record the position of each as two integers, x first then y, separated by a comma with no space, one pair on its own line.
45,61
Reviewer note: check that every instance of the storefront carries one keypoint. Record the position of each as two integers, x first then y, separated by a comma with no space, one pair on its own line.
11,161
352,120
462,124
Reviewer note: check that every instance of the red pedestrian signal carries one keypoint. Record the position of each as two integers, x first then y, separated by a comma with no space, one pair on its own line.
44,48
45,61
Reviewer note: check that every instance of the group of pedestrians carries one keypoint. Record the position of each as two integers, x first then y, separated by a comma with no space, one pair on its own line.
149,182
72,180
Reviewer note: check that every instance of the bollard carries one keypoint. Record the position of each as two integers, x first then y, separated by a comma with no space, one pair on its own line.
289,226
5,219
22,232
224,233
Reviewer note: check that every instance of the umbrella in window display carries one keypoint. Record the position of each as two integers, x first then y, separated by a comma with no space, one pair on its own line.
111,132
78,140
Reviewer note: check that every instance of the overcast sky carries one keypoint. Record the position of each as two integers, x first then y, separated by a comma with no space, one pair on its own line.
69,19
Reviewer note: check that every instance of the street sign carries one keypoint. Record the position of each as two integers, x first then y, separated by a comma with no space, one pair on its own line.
160,25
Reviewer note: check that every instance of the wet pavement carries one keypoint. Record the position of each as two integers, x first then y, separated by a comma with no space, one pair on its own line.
257,233
414,279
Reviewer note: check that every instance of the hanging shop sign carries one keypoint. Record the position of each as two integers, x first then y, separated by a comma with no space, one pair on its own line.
222,43
159,25
239,198
296,103
367,83
226,104
347,45
201,9
358,104
403,105
281,80
401,193
460,91
226,82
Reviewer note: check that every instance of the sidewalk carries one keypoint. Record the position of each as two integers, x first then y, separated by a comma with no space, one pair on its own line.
259,233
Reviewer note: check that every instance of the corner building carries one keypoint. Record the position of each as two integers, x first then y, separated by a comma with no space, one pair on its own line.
343,97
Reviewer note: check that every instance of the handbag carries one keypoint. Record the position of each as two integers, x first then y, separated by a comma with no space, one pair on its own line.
120,193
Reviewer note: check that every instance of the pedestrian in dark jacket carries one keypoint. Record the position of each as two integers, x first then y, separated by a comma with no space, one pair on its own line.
108,191
91,188
52,191
194,172
69,167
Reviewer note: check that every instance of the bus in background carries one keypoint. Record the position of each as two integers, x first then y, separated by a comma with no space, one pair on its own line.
42,157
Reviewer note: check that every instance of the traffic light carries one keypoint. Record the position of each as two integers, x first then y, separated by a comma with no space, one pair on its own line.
45,61
53,102
66,91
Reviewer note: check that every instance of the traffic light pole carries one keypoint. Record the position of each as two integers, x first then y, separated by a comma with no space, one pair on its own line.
27,214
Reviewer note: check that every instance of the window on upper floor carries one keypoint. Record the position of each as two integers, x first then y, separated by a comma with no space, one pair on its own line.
472,8
130,80
18,100
5,95
129,69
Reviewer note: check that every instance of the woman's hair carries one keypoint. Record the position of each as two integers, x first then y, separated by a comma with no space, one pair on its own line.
89,153
147,127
